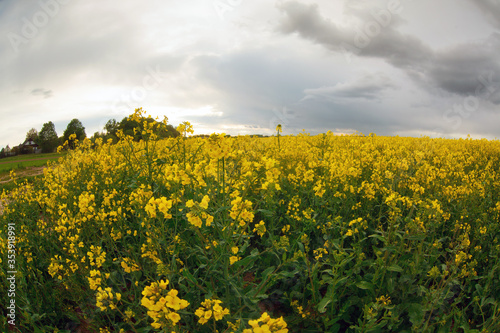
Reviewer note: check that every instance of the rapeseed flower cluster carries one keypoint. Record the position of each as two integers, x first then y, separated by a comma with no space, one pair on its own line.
95,279
198,212
162,305
161,205
211,308
105,298
300,309
266,324
96,256
129,265
241,211
260,228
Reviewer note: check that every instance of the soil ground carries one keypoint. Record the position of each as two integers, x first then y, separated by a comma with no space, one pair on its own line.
29,171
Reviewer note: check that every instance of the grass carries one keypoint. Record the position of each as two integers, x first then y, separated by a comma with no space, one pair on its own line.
25,167
30,157
9,186
25,161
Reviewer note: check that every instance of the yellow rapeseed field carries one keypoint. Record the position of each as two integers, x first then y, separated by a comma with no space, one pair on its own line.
293,233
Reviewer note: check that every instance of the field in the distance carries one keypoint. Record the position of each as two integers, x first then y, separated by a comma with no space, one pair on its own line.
23,163
283,234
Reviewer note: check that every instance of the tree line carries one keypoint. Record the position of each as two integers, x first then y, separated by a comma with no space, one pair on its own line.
47,139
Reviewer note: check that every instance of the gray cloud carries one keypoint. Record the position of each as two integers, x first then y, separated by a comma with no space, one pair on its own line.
461,68
491,9
456,70
369,87
248,85
398,49
42,92
110,47
261,66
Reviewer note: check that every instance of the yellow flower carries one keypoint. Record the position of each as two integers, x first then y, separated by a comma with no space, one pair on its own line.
104,298
174,317
129,265
209,220
384,300
267,324
162,307
204,202
260,228
194,220
234,259
210,308
320,252
434,272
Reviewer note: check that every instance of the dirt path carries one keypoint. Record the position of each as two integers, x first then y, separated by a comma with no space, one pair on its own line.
30,171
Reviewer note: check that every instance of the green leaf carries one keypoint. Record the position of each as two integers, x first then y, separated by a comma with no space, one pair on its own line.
267,272
287,274
487,301
243,262
236,289
323,303
341,281
346,261
335,328
365,285
390,285
395,268
221,209
262,285
379,326
380,238
266,212
301,247
416,313
189,276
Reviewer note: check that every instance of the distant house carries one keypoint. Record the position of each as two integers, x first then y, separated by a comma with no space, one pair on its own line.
29,147
7,151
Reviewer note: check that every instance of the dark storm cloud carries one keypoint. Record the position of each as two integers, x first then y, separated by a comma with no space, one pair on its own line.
372,40
360,115
458,70
464,68
369,88
249,86
370,69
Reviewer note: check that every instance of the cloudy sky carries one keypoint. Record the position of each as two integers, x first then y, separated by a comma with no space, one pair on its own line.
390,67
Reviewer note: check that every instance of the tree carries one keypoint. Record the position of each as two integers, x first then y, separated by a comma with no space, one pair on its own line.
110,130
47,138
97,135
160,129
111,127
74,127
32,134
